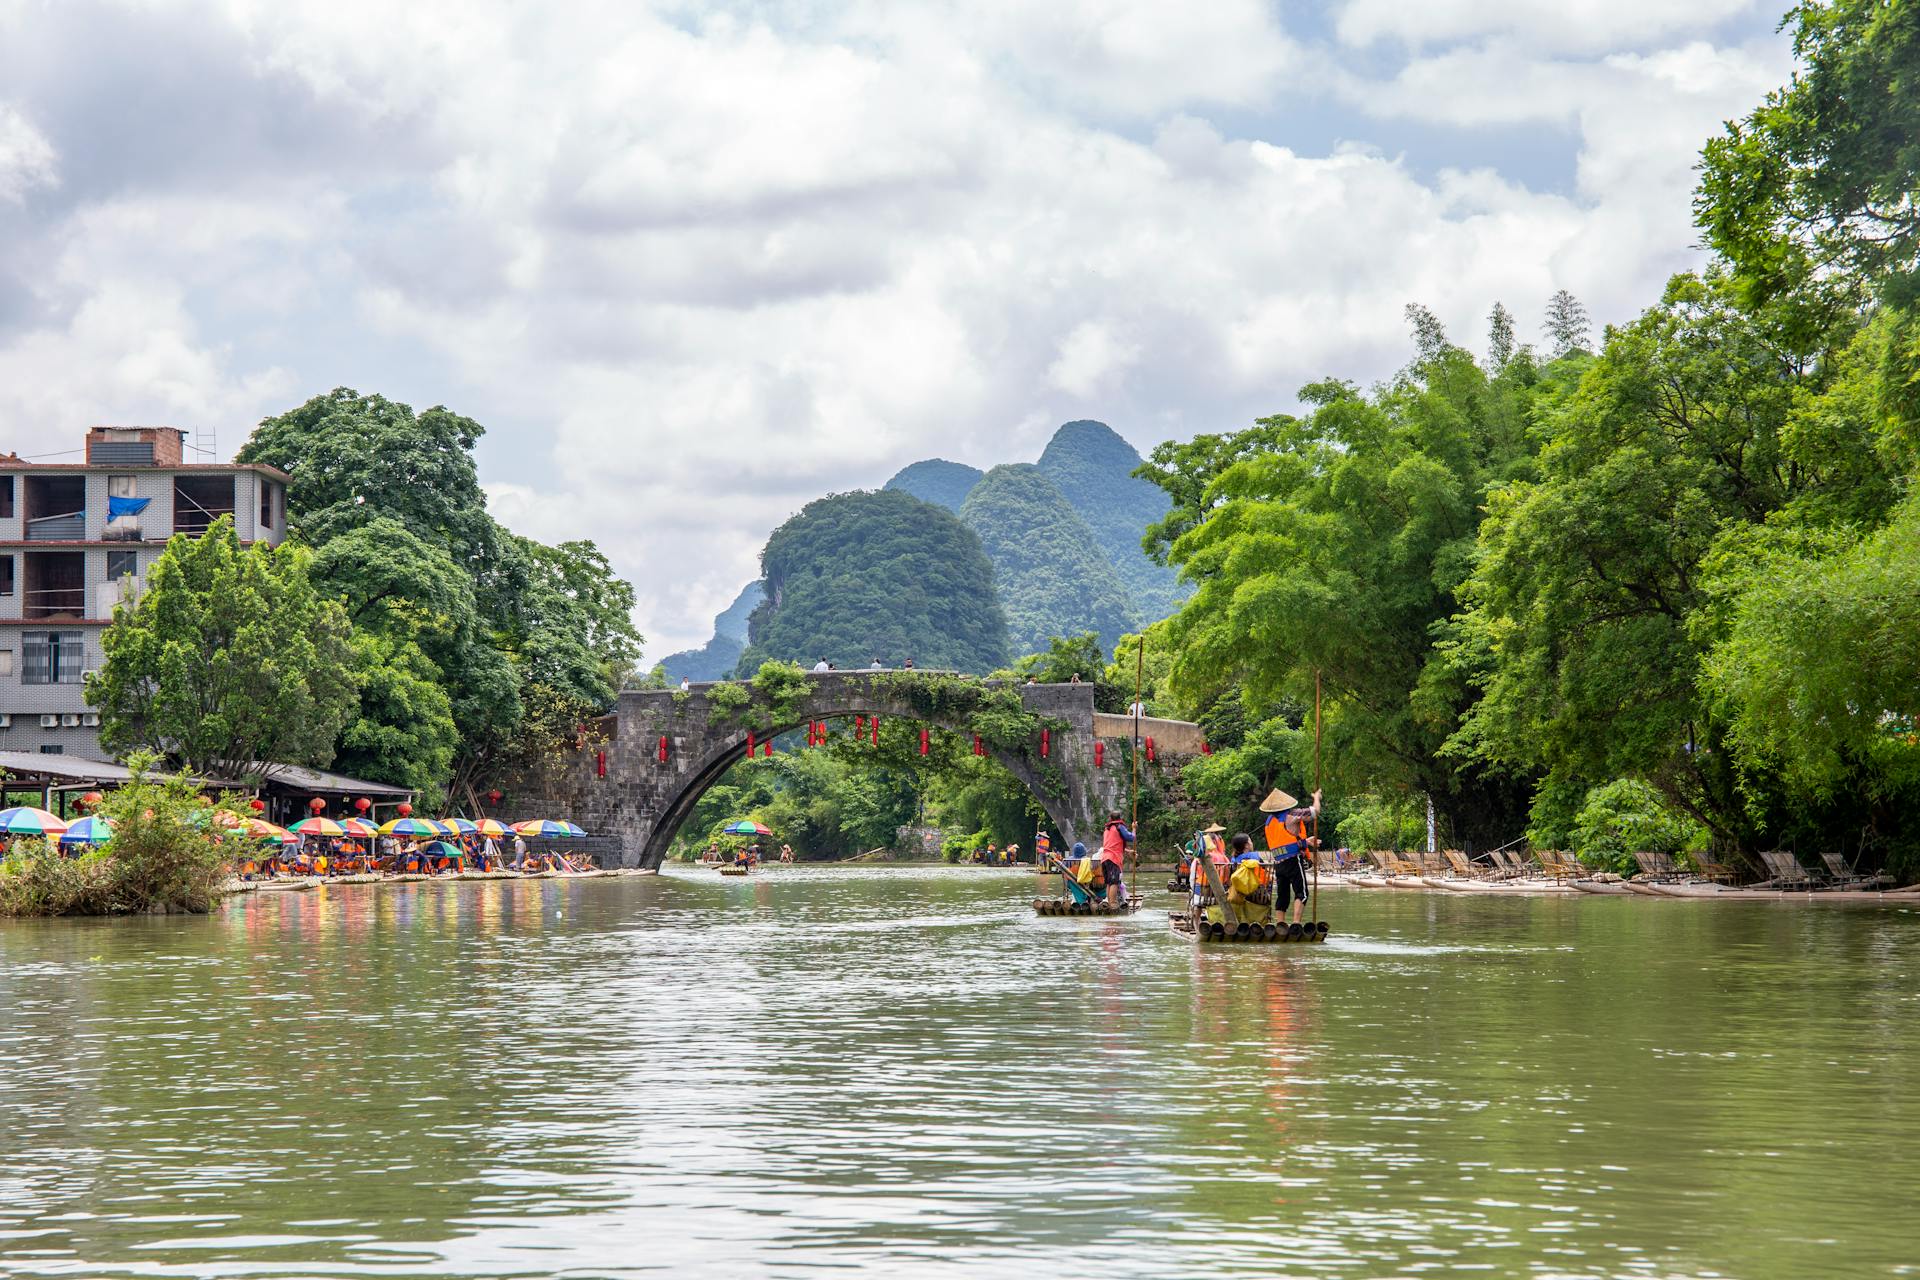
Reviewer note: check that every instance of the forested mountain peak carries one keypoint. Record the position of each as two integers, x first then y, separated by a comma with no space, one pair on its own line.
717,658
1088,440
1093,466
935,480
1053,579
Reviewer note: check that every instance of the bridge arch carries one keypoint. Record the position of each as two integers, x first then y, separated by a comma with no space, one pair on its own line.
623,788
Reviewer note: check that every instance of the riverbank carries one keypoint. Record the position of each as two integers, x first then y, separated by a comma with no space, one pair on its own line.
1691,892
285,884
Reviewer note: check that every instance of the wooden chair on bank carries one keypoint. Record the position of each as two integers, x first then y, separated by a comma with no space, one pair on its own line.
1713,870
1787,873
1464,868
1842,876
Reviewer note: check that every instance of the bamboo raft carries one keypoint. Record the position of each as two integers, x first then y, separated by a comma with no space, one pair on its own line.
1070,907
734,871
1188,925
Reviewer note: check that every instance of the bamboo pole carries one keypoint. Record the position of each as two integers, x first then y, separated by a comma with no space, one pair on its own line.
1139,683
1314,904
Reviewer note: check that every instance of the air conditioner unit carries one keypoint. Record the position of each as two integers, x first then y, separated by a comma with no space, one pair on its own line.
91,719
70,720
88,674
6,721
49,722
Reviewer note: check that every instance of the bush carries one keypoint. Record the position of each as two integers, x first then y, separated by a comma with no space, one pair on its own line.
1627,814
165,857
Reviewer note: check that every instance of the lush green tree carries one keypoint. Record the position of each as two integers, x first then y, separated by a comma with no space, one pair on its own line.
230,661
1626,815
1335,544
1815,188
404,730
859,575
1188,471
1053,578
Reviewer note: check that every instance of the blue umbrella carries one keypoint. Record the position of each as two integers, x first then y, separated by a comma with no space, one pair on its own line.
89,831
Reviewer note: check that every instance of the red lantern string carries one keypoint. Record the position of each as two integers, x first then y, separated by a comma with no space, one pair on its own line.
663,748
1149,748
859,728
977,748
1099,755
749,746
923,742
874,725
766,750
1046,741
600,762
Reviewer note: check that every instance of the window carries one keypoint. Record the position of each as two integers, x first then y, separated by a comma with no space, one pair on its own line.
6,496
119,486
48,749
6,662
122,564
52,657
266,504
6,575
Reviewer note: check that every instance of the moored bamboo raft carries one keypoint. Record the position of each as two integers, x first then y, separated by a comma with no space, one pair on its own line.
733,871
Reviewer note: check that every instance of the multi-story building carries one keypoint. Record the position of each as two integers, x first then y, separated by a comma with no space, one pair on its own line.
77,539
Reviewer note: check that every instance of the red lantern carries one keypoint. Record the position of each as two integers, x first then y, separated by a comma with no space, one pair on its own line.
662,753
91,800
749,746
362,805
1046,742
766,752
874,725
493,796
404,809
317,805
1206,748
257,805
1149,749
600,763
977,748
1099,755
923,742
859,728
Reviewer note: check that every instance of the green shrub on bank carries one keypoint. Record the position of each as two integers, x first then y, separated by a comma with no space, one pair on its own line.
166,856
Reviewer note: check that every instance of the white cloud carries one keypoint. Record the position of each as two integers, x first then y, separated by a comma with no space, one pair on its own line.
1563,25
26,158
696,265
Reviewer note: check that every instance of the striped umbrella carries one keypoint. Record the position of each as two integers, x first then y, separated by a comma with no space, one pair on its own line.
492,827
261,829
415,827
88,831
29,821
358,827
571,829
745,828
539,827
460,826
319,827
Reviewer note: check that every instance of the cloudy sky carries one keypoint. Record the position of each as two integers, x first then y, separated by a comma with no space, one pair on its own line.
694,264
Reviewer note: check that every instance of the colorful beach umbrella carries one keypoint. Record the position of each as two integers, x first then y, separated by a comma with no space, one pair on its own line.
541,827
491,827
461,826
359,827
745,828
416,827
88,831
317,826
29,821
571,829
441,849
261,829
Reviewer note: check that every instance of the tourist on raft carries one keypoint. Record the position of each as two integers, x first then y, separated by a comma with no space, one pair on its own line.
1292,849
1114,843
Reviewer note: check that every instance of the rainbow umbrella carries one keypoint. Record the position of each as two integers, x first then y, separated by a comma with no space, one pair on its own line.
29,821
319,827
491,827
571,829
359,827
461,826
415,827
745,828
538,827
261,829
89,831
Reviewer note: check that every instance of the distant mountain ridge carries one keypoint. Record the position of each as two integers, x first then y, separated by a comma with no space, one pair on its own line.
1062,534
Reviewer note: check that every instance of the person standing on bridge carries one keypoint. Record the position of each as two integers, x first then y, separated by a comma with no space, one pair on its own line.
821,667
1114,843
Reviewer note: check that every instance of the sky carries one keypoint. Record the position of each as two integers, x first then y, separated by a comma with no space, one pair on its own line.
695,264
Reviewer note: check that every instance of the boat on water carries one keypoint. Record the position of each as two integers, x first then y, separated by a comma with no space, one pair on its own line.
1081,899
735,869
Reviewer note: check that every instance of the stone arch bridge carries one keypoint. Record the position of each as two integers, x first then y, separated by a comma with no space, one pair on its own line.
618,786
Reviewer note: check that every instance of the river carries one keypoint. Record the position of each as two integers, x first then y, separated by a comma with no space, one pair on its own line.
904,1072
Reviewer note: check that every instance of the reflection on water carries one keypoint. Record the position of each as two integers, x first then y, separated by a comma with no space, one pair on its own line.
907,1073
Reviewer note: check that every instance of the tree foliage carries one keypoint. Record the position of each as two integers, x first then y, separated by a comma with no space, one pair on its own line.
229,661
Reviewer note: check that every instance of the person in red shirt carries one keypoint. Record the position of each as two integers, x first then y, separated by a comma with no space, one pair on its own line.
1114,843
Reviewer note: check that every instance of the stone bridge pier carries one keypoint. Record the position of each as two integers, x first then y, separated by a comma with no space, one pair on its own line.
622,788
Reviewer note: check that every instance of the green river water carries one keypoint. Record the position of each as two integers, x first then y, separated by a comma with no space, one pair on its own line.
904,1072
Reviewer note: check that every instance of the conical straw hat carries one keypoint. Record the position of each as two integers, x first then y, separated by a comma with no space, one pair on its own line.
1277,801
1213,830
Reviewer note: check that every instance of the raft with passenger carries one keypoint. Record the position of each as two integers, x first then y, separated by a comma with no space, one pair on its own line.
1242,895
1083,896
